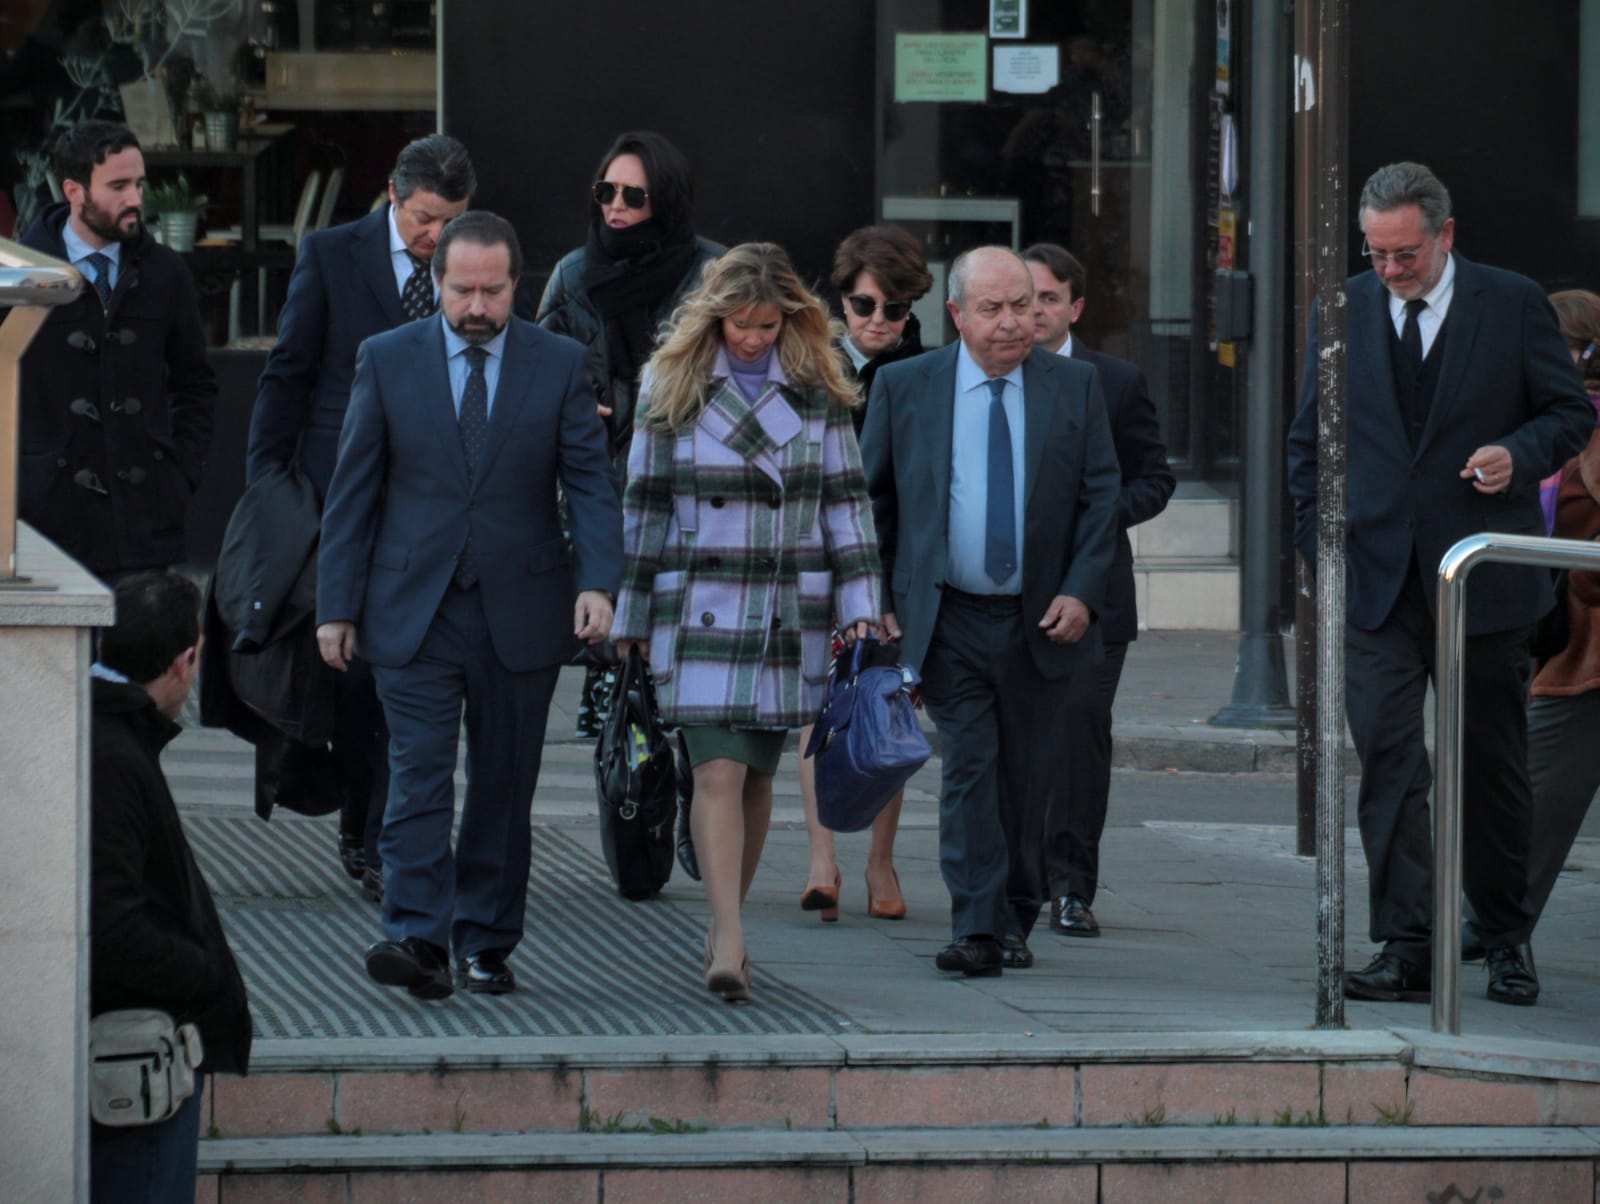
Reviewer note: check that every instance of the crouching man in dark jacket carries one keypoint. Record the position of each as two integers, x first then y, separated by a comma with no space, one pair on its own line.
155,939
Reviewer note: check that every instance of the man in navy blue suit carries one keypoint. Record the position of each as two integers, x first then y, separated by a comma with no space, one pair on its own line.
349,283
444,565
1076,815
1461,398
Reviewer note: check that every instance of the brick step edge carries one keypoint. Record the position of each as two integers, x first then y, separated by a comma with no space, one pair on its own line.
463,1152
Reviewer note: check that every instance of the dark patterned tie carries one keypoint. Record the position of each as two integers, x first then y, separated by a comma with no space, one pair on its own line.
417,296
1000,539
102,276
1411,341
474,421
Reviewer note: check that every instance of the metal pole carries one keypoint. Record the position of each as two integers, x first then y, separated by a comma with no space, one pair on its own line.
1332,77
30,284
1448,680
1305,291
1260,683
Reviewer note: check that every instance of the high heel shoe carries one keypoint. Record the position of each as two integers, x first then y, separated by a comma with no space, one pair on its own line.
732,985
824,899
887,909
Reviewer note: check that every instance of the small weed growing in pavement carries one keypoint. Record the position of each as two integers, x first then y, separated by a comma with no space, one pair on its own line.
1230,1119
212,1133
1393,1114
590,1121
334,1126
1044,1123
1153,1118
459,1120
1306,1120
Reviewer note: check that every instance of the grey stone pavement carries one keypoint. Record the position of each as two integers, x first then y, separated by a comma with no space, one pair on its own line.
1208,914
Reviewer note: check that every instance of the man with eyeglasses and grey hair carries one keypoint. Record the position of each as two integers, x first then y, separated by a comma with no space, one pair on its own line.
1461,398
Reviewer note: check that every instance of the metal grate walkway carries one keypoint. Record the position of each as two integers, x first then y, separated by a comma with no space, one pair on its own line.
591,964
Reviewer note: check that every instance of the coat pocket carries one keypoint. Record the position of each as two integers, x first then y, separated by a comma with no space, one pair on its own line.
666,617
814,592
393,556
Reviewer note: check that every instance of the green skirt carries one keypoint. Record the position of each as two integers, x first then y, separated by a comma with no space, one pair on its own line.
758,749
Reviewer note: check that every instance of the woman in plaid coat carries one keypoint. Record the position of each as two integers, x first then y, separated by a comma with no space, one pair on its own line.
746,528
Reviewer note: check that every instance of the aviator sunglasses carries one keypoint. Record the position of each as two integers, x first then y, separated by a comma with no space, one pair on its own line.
634,198
863,305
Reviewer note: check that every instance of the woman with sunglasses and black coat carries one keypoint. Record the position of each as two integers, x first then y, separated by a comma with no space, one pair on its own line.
613,293
879,271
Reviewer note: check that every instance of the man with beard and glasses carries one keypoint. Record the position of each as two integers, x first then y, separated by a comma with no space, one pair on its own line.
443,565
117,396
349,283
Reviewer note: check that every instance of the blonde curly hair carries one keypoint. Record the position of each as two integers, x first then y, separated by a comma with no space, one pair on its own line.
752,273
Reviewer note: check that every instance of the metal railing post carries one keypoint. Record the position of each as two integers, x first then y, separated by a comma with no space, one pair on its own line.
30,285
1538,552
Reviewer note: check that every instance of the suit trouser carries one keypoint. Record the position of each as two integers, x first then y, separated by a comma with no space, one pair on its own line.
1077,808
474,900
360,756
1387,675
997,720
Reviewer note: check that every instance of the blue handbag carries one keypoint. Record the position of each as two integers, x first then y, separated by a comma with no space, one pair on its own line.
866,742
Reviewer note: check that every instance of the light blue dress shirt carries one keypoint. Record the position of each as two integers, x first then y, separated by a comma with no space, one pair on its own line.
969,476
79,251
400,261
455,348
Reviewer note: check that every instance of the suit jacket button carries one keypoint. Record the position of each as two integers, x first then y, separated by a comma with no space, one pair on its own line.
775,503
708,619
136,475
718,503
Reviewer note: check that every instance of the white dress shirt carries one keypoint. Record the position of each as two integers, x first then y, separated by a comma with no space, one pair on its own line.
1436,304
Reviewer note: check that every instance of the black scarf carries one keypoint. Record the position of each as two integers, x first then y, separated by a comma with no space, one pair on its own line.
628,274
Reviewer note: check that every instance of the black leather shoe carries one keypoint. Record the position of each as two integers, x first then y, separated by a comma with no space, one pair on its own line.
353,856
974,956
415,964
486,973
372,884
1015,954
1390,978
1512,978
1472,949
1070,916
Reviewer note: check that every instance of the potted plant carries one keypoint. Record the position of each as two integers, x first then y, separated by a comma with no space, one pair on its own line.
176,208
221,105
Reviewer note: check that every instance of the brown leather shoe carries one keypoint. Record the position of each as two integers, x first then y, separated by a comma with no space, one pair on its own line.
824,899
887,909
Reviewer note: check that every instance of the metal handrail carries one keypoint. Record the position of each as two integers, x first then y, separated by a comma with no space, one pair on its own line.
31,284
1451,651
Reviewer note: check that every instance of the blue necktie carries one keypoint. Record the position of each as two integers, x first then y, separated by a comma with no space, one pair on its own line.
102,276
474,421
1000,529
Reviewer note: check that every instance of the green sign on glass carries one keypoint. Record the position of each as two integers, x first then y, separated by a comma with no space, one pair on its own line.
940,66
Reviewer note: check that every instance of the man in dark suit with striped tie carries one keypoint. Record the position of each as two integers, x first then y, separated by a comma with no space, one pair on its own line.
443,563
349,283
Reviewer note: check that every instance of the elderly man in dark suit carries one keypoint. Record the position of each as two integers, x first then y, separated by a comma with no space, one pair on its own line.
1461,398
444,564
1077,811
994,488
349,283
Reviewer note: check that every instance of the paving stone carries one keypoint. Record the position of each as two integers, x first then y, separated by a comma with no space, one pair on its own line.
478,1101
1254,1093
967,1184
1501,1182
313,1187
714,1095
1448,1099
1362,1095
954,1096
732,1186
476,1187
274,1105
1226,1183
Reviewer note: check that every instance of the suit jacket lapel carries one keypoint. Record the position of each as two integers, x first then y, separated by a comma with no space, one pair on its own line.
1038,379
376,269
1466,308
510,391
436,399
936,416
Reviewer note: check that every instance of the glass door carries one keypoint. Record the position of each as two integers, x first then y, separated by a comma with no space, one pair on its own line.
1065,121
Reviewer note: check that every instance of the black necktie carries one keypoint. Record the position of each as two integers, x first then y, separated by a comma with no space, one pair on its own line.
417,296
1000,525
102,276
1411,341
474,421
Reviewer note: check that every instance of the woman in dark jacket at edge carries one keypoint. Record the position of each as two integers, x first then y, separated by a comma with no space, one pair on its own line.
878,271
613,293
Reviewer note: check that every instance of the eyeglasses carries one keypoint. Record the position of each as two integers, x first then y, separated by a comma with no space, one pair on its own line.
1400,259
634,198
864,307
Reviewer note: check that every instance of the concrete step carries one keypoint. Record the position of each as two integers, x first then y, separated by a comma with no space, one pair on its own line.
310,1087
1308,1165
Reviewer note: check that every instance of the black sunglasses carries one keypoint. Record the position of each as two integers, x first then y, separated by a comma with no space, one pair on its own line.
893,311
634,198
